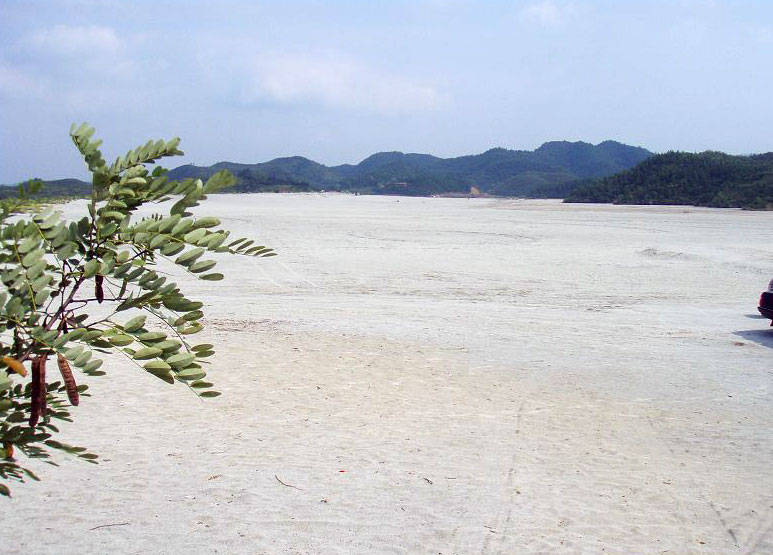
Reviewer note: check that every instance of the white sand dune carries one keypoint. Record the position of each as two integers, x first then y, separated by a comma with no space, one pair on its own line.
443,376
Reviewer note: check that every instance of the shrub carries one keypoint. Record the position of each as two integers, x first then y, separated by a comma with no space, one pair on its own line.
74,290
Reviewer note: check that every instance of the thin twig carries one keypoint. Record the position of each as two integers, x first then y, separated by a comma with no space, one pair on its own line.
288,485
108,525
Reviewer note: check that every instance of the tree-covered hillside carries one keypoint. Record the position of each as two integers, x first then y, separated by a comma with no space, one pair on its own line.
705,179
548,171
58,188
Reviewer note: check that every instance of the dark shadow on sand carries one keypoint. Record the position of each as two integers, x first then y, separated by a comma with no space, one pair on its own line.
755,316
762,337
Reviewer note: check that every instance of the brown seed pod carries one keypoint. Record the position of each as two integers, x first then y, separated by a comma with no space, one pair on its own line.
8,448
43,385
15,366
38,401
99,292
69,380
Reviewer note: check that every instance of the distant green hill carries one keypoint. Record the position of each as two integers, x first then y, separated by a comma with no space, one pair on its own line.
705,179
57,188
550,171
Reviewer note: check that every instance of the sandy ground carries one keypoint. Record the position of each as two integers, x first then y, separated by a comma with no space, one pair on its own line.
444,376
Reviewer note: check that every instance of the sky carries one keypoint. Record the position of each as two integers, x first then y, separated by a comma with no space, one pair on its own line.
335,81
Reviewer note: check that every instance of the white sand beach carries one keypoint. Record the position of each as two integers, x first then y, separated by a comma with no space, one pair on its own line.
415,375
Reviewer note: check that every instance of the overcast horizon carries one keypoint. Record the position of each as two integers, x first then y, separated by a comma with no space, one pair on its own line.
337,81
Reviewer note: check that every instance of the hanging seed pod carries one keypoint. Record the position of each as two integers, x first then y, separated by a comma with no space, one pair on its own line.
43,385
69,380
8,448
99,292
35,397
38,401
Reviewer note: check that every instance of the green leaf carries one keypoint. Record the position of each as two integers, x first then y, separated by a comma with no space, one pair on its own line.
46,336
207,222
77,333
108,229
168,345
183,305
32,257
101,344
182,226
90,335
147,352
191,374
82,359
196,327
91,268
165,375
121,340
131,276
91,366
213,240
122,269
195,235
28,244
168,223
189,257
74,352
148,277
190,316
157,241
219,181
212,277
41,297
106,266
209,394
135,323
66,251
201,266
181,360
40,283
150,336
157,365
170,249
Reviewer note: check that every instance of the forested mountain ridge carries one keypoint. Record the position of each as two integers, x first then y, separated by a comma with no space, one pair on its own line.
705,179
556,169
551,170
56,188
547,171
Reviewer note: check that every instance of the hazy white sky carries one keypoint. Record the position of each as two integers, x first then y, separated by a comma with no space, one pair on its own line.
336,80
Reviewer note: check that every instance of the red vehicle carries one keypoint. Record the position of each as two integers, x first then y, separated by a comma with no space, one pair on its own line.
766,303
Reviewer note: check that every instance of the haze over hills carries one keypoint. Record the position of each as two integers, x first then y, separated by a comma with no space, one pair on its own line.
547,171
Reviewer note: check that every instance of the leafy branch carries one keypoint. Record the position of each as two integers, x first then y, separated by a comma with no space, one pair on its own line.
49,266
